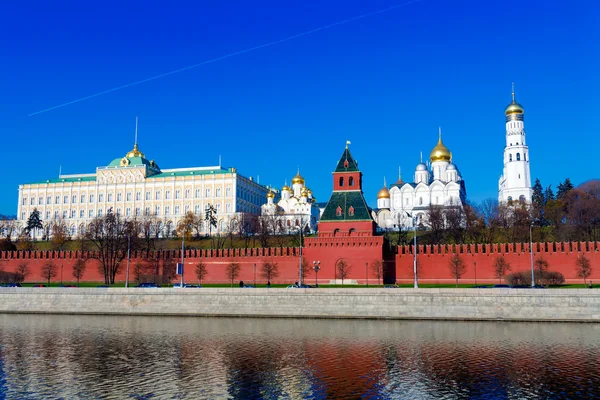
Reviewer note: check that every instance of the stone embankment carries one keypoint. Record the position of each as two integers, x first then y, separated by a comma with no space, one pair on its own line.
437,304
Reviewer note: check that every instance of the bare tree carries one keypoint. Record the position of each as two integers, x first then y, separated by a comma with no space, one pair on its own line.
248,228
269,270
306,268
79,269
435,220
233,271
60,234
583,267
501,267
454,216
109,235
169,270
22,272
201,271
49,270
377,267
541,269
457,267
343,269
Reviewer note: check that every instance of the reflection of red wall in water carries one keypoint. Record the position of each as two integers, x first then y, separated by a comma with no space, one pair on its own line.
357,250
433,261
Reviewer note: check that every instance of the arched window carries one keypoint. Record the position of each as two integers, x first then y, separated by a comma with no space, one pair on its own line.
509,199
351,211
336,232
510,157
521,199
524,156
341,181
351,181
352,232
338,211
420,201
518,156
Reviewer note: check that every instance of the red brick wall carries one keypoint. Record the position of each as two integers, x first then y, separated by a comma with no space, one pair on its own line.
433,260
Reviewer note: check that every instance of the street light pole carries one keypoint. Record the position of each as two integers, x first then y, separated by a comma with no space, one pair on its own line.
367,273
61,274
128,259
475,266
416,285
316,268
531,253
254,274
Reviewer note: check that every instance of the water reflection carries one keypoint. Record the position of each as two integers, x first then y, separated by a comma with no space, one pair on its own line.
192,358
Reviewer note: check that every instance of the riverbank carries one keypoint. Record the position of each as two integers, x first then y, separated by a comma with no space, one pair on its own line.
577,305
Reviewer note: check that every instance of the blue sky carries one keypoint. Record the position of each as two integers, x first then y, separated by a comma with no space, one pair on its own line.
384,82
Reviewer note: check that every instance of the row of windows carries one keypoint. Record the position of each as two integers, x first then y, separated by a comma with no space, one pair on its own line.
350,181
128,211
128,196
518,157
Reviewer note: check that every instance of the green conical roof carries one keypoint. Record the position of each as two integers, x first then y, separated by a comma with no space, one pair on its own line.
347,162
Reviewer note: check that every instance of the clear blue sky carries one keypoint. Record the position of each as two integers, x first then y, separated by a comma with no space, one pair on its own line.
385,82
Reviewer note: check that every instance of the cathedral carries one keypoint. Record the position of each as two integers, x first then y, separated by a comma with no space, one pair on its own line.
437,182
515,182
295,207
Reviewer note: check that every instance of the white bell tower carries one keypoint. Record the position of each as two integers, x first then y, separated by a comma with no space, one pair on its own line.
515,182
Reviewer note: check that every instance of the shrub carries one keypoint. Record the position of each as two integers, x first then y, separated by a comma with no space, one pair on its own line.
554,278
519,278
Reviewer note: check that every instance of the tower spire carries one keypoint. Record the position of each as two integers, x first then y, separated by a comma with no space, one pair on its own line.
135,142
513,92
384,182
421,156
399,173
440,133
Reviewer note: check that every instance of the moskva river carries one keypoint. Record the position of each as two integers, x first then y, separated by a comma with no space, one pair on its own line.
90,357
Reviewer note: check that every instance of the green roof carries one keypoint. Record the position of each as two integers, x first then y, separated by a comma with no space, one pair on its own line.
133,162
346,163
346,200
61,180
191,171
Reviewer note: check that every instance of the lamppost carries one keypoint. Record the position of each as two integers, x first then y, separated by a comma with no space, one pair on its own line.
367,273
475,266
316,268
128,259
61,274
531,253
416,285
254,274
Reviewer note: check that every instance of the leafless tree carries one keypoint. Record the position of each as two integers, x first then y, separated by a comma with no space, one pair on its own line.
248,228
541,270
343,269
269,270
306,268
233,271
49,270
79,269
22,272
201,271
583,267
60,233
435,220
501,267
377,267
454,216
457,267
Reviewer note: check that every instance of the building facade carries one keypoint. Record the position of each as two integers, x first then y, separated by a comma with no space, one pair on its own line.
133,187
437,183
515,182
294,207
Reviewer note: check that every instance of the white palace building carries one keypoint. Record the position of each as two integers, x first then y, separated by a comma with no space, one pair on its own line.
134,186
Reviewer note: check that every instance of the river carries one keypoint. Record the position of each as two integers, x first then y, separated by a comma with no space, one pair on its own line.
96,357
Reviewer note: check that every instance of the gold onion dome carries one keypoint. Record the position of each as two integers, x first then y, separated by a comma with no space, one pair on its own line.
285,187
440,152
304,192
384,193
514,108
270,195
298,179
135,152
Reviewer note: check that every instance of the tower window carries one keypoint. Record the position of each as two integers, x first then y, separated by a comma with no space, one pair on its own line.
341,181
338,211
524,156
351,181
351,211
518,156
510,157
420,201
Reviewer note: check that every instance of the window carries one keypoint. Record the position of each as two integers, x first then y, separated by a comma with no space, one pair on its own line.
118,212
167,194
208,192
218,208
74,199
176,210
56,200
207,207
81,213
128,196
137,211
341,181
420,201
187,208
197,209
338,211
24,202
148,195
167,210
197,193
91,198
351,211
32,201
138,196
228,191
91,213
218,192
157,195
82,198
128,212
178,194
101,197
64,214
41,201
524,156
65,199
23,215
518,156
99,212
47,214
110,197
351,181
147,211
510,157
48,200
119,196
55,214
228,207
187,193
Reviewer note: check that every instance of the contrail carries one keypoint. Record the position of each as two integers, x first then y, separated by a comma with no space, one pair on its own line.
299,35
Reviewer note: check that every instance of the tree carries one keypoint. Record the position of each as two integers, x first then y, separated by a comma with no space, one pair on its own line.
501,267
79,269
186,225
457,267
538,199
210,216
201,271
233,271
377,267
22,272
541,269
306,268
34,222
564,188
109,235
343,269
435,220
583,267
60,234
548,195
269,270
49,270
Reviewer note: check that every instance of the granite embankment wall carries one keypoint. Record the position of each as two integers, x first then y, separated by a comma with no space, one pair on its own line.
448,304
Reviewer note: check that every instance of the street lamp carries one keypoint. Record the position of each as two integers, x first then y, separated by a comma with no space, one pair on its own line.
316,268
475,266
254,274
416,285
367,273
61,274
531,253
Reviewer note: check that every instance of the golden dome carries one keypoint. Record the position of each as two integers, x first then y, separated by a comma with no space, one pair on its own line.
285,187
135,152
304,192
384,193
270,195
514,108
440,152
298,179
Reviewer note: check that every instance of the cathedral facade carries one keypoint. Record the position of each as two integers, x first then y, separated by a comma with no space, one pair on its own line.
436,183
134,187
291,208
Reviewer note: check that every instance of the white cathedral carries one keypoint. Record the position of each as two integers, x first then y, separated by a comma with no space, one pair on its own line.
515,182
295,207
437,183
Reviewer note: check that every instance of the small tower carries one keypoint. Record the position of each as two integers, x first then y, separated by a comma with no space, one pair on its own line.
440,157
383,197
297,184
422,172
515,182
